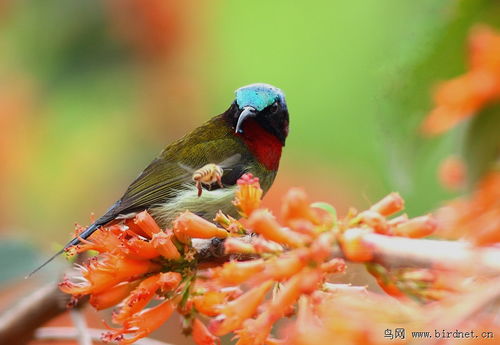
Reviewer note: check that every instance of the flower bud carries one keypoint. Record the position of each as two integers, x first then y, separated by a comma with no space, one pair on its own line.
263,223
397,220
452,173
233,245
335,265
353,247
416,227
234,272
375,221
389,205
283,267
296,206
188,225
147,223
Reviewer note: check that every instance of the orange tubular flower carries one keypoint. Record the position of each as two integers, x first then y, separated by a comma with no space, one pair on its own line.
303,226
188,225
142,324
375,221
208,302
107,271
234,272
296,210
256,331
304,282
335,265
233,245
103,240
283,267
465,95
229,223
144,293
162,242
321,248
264,223
384,281
147,223
390,288
398,220
137,300
459,99
476,218
234,313
131,225
113,296
262,245
308,328
353,247
416,227
452,173
389,205
169,281
137,248
296,206
139,263
248,195
201,334
223,220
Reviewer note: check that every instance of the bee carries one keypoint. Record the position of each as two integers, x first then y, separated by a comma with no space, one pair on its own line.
210,173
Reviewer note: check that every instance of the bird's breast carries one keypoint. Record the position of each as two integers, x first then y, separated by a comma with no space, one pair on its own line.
206,206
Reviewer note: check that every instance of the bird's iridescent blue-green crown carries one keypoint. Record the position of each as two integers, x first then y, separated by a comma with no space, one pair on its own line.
258,96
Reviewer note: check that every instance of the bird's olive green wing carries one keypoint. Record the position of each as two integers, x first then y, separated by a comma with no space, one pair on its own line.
159,181
166,175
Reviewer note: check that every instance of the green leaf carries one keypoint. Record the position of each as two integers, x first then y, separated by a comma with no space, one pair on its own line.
328,208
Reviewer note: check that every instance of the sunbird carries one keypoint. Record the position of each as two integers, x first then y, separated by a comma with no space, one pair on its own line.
247,138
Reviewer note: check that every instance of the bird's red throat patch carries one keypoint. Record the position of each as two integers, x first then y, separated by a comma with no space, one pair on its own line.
264,145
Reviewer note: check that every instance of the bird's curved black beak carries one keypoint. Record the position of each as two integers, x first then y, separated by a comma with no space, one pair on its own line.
245,114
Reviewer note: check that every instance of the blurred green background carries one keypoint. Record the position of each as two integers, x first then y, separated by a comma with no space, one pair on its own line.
91,90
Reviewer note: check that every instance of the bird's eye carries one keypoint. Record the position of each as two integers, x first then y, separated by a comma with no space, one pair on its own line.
274,108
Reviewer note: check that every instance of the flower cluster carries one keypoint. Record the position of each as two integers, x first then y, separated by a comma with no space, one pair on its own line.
375,220
137,263
462,97
274,265
475,218
419,284
351,318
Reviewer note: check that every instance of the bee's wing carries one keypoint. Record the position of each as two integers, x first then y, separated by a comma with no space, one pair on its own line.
225,164
229,162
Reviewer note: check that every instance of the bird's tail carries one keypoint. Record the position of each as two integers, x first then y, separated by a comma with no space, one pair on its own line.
84,235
